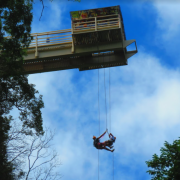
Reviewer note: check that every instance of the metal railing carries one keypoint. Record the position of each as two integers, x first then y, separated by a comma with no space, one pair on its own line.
78,26
96,23
51,38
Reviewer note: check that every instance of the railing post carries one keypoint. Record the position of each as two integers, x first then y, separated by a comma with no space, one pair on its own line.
36,52
95,23
72,50
72,26
119,20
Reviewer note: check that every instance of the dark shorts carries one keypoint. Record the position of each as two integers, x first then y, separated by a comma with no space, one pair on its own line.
101,145
110,142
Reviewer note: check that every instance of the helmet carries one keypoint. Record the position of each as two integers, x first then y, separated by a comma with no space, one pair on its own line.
94,137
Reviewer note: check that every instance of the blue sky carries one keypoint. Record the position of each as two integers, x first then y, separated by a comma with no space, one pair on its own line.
145,96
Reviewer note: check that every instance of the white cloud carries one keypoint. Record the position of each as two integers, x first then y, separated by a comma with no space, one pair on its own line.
168,18
168,26
145,100
146,111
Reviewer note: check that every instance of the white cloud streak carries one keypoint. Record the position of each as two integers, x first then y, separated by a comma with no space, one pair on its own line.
145,113
168,23
144,106
168,13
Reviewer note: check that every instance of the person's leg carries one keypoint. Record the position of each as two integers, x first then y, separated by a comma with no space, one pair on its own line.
103,146
107,143
107,149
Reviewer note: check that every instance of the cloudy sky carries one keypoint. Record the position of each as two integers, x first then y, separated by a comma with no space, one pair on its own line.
145,98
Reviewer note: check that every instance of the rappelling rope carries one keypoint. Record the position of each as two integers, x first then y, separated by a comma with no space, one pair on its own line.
98,110
110,114
99,119
98,102
109,100
105,93
113,165
105,110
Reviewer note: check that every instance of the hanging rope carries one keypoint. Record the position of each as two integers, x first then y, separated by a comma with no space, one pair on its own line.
98,103
99,119
109,100
113,165
105,93
98,164
105,110
110,114
98,111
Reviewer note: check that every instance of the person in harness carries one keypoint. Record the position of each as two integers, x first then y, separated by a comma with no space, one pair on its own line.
111,140
103,145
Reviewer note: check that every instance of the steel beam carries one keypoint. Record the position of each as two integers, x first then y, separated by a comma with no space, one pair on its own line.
61,57
83,63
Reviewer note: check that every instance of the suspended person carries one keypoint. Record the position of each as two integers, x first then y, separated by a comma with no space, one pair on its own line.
111,140
102,145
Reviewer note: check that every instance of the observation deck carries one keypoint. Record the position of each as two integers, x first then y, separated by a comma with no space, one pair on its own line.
96,40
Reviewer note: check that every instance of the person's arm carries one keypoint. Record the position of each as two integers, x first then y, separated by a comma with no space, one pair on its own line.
110,135
102,135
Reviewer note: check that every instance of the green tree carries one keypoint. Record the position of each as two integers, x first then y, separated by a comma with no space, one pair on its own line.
15,91
15,21
167,165
7,171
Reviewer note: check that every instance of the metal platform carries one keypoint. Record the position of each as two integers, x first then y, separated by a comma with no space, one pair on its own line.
91,43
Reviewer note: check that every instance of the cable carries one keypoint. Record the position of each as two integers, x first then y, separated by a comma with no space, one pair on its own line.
105,94
98,164
99,120
113,165
105,110
98,102
110,115
99,113
109,100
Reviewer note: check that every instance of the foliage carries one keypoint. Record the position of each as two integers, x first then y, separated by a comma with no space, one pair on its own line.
6,167
15,91
15,21
167,165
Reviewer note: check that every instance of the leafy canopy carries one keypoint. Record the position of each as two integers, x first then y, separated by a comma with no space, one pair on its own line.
15,91
167,165
15,22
